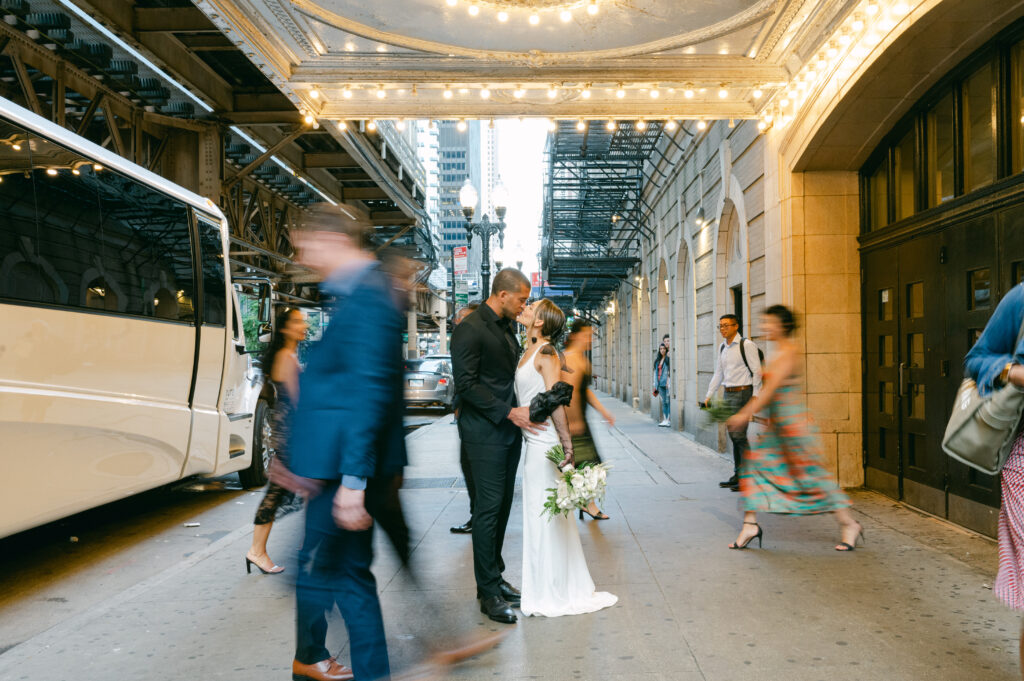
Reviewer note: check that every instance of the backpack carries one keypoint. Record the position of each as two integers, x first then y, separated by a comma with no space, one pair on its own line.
743,353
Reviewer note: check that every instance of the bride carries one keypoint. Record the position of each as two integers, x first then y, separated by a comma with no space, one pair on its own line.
556,580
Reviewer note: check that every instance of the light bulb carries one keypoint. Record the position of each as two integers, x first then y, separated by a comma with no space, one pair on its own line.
620,93
350,46
502,16
461,125
671,125
552,92
97,167
758,94
342,126
762,126
871,9
702,124
581,125
592,8
485,94
76,171
610,126
655,93
641,124
831,52
723,93
308,118
688,93
900,9
519,92
451,3
16,147
382,48
347,92
447,92
463,90
51,171
552,125
314,93
474,10
565,16
534,19
372,125
857,25
822,63
381,92
400,125
585,93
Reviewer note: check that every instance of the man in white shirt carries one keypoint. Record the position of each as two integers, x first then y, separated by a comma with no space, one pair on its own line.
738,372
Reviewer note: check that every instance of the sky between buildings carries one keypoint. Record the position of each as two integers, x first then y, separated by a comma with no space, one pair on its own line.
521,164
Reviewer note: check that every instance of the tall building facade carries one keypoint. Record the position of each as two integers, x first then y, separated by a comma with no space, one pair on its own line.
427,151
492,175
459,158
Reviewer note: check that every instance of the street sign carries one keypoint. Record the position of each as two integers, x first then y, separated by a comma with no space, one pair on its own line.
461,293
461,260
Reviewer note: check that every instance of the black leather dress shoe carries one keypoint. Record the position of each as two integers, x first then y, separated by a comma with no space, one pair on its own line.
498,610
512,595
464,528
731,482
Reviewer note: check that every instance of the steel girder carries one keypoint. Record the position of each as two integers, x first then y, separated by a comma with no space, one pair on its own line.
593,211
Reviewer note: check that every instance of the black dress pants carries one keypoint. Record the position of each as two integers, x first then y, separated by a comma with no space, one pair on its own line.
735,400
494,479
467,474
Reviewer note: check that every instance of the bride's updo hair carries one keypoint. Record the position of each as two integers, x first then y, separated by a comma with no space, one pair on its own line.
552,317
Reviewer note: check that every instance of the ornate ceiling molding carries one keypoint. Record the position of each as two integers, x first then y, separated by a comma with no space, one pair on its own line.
751,15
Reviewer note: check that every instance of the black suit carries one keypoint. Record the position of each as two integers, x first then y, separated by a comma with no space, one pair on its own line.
484,356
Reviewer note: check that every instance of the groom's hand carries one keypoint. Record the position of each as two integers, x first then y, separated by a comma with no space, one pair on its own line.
521,417
350,509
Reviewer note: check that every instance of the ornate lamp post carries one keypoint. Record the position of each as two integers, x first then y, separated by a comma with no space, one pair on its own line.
484,228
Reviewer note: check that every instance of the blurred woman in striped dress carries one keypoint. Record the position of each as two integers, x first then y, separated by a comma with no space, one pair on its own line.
995,361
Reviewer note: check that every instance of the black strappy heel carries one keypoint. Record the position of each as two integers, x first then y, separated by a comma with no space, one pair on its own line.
600,514
849,547
759,537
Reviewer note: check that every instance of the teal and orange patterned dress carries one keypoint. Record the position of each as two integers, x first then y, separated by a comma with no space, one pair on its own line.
783,471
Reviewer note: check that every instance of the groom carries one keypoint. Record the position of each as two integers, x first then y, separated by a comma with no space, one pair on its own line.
484,354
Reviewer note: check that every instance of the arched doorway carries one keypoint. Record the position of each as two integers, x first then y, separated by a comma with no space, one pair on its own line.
732,281
684,345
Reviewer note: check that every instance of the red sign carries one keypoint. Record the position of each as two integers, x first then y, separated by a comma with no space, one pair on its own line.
535,280
461,260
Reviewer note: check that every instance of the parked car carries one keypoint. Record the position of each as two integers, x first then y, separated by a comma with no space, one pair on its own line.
429,382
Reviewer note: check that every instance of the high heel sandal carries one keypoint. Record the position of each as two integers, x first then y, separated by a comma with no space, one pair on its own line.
600,514
276,569
759,537
851,547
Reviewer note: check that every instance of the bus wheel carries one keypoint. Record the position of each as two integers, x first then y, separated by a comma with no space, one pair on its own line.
256,474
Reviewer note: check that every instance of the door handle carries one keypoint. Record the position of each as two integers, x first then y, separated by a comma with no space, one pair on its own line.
902,384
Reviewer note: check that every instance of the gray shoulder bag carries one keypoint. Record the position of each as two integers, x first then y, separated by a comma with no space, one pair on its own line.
981,430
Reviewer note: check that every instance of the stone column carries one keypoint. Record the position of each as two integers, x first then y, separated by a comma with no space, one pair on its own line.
442,326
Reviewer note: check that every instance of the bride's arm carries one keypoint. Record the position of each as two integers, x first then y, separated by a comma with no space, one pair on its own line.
549,363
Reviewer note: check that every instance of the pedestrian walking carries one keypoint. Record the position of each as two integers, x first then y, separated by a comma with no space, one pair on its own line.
996,361
784,473
662,373
738,373
347,433
579,374
467,472
281,366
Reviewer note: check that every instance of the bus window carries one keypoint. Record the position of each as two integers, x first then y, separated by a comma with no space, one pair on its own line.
26,272
148,246
212,258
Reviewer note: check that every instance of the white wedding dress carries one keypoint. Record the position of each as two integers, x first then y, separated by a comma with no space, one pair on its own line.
556,580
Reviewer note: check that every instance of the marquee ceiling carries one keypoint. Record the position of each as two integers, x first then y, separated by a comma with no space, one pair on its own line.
352,59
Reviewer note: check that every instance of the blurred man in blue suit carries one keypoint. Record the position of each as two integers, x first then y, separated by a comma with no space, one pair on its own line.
347,433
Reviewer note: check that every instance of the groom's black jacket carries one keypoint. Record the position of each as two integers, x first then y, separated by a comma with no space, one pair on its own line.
484,356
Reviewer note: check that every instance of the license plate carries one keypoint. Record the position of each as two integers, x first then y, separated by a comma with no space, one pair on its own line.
415,382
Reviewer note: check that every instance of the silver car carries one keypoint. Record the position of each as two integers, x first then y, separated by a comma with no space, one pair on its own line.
429,382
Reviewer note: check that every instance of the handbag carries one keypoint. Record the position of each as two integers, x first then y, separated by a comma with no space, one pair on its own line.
981,430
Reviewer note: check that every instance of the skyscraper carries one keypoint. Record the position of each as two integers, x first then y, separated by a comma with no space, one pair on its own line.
459,158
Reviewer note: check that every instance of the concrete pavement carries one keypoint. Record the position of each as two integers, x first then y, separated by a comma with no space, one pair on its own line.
914,604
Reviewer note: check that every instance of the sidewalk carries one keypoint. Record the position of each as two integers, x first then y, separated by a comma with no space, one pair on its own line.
914,604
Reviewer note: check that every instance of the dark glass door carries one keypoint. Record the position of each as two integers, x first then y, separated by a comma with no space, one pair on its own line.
881,379
923,415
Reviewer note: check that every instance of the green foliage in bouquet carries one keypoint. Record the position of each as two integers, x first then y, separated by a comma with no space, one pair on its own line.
718,411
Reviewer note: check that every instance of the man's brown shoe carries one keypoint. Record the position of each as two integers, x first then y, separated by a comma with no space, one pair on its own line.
324,670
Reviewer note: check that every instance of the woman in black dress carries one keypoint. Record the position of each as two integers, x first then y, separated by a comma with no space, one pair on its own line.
281,365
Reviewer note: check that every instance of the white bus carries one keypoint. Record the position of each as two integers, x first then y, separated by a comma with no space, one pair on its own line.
122,353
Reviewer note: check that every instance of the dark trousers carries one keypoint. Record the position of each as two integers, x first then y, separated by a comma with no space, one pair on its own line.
334,569
467,473
740,444
494,479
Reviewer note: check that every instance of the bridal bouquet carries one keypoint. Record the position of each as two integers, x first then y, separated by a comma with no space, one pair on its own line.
718,411
576,487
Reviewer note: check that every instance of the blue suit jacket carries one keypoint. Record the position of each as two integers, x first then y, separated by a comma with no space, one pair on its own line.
348,420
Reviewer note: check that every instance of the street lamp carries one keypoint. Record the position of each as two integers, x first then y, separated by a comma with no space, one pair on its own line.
484,228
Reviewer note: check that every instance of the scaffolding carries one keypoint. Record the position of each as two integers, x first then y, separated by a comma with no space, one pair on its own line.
593,207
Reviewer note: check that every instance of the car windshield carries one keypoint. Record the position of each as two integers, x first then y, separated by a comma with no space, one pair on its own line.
425,366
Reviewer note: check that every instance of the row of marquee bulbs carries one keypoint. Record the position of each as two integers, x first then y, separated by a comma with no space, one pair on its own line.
381,92
565,13
611,125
